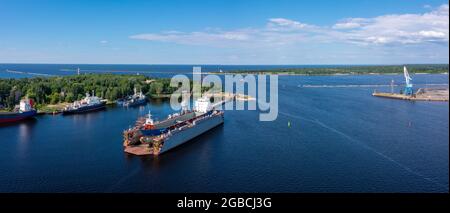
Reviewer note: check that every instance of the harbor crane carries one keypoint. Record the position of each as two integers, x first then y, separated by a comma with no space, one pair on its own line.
408,87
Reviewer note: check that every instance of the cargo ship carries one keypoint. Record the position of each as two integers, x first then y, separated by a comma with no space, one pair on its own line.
136,99
24,111
88,104
149,137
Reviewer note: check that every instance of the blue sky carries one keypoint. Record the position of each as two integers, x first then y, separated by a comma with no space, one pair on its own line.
224,32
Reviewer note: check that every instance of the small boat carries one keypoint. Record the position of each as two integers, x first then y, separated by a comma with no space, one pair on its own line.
88,104
25,111
136,99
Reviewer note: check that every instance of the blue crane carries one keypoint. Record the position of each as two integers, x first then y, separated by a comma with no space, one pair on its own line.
408,87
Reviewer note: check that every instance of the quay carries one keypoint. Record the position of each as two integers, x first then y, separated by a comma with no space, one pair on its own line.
423,94
428,94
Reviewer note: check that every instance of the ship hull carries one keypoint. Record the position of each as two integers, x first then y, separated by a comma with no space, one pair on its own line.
136,103
85,109
14,117
188,134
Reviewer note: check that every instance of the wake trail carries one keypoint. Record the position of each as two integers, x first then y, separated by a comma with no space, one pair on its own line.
367,147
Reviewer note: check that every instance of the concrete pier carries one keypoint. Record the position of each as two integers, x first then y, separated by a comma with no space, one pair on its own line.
428,94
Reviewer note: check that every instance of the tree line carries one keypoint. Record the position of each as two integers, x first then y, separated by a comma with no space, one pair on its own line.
53,90
351,69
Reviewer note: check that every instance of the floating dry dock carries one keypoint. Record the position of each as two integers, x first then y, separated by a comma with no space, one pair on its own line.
423,94
149,137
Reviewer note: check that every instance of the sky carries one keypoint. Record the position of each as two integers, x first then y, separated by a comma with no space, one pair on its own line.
224,31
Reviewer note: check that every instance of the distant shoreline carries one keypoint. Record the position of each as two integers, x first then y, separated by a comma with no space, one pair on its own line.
295,74
344,70
338,70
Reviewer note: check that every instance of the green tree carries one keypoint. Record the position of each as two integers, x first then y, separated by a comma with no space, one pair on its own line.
156,88
69,97
54,98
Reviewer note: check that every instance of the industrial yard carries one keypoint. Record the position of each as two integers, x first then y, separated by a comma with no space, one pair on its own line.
407,93
423,94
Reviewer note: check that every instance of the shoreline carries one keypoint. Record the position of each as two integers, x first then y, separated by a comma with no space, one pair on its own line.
297,74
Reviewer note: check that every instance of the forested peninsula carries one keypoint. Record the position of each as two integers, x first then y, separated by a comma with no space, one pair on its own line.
65,89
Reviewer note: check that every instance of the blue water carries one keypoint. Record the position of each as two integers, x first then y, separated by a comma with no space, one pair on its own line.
340,140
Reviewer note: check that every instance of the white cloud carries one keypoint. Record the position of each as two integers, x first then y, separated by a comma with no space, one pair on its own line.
443,9
103,42
279,24
404,29
398,28
346,25
432,34
351,23
285,22
196,38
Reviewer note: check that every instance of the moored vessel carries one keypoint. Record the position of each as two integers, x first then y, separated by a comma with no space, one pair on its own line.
88,104
24,111
136,99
